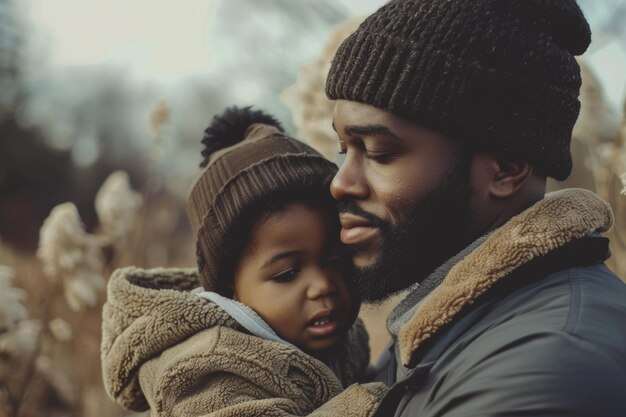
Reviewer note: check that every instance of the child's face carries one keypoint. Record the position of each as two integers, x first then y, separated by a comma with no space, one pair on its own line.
290,274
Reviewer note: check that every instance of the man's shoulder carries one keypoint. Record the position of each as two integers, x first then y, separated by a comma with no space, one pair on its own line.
586,302
569,300
561,342
575,311
556,372
597,300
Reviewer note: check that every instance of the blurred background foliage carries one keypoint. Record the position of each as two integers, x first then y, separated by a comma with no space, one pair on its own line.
70,113
91,88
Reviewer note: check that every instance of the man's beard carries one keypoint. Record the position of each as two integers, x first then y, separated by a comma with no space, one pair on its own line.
432,232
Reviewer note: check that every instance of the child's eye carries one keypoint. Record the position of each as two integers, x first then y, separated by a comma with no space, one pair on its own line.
287,276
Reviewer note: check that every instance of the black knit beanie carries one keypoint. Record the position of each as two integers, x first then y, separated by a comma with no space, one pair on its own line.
248,159
499,75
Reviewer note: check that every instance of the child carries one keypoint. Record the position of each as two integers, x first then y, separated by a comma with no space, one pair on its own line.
271,332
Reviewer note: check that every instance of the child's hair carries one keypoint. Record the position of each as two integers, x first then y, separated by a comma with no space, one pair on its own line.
252,167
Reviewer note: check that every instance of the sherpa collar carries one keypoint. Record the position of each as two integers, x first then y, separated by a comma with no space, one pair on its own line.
559,218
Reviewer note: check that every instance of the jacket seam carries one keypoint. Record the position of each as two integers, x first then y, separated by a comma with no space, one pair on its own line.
575,305
600,351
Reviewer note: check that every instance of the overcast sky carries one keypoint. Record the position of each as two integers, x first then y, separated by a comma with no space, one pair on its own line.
159,37
164,38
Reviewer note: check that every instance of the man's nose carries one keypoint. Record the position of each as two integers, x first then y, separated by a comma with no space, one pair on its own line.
349,182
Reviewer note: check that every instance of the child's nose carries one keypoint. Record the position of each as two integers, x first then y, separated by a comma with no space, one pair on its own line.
321,285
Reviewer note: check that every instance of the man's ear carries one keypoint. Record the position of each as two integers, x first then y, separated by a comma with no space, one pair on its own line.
508,177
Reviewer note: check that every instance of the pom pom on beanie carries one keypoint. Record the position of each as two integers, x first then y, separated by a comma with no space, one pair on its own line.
229,128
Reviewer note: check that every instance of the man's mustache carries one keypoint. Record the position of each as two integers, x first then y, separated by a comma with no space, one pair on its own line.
350,206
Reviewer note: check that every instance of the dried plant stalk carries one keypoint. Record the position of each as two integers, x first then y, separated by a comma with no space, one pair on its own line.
72,256
158,119
60,329
312,110
117,205
11,309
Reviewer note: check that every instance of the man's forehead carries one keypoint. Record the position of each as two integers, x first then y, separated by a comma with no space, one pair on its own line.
355,113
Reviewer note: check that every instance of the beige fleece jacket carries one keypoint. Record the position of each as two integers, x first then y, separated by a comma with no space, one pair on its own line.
165,349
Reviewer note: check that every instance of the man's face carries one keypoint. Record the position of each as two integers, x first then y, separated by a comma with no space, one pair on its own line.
403,193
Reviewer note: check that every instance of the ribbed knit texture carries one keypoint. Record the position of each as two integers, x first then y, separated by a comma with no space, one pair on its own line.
498,74
265,164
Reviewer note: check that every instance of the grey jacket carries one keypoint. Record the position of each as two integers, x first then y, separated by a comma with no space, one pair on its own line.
531,323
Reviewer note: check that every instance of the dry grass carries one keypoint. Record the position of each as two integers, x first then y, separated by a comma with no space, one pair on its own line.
56,367
50,320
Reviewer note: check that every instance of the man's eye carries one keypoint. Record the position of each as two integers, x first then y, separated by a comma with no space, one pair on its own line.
381,158
287,276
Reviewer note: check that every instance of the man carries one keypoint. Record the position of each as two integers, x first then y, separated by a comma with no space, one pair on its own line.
451,115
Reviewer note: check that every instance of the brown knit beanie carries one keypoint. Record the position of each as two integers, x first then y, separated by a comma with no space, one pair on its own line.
248,159
499,75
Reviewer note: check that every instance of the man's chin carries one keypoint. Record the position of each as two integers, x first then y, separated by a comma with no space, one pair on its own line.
364,260
377,279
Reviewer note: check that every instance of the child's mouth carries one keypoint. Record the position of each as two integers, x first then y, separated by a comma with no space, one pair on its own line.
322,325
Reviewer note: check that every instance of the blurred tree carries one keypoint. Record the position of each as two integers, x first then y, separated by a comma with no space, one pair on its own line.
30,173
11,40
259,46
34,177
